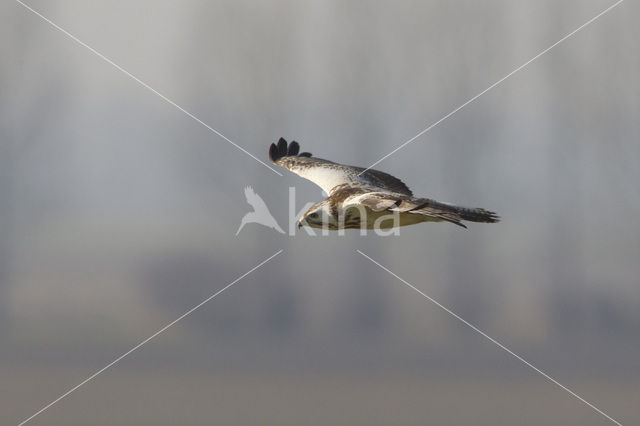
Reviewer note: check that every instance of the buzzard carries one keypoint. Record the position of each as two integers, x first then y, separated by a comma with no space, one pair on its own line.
362,198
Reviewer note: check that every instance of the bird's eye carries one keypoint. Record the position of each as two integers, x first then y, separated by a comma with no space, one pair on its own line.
313,215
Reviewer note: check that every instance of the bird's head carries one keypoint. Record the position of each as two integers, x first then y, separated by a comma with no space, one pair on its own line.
319,215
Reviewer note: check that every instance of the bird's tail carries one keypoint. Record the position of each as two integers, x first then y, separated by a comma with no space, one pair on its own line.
477,215
455,214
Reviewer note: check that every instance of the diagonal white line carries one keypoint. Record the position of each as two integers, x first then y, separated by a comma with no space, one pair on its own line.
142,83
476,329
91,377
494,85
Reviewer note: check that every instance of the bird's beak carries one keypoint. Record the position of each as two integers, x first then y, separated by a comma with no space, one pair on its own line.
299,224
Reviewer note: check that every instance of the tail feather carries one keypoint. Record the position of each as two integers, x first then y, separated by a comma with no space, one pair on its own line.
455,214
477,215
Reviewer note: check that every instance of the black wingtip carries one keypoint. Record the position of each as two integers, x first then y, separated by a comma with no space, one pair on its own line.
294,148
273,153
282,149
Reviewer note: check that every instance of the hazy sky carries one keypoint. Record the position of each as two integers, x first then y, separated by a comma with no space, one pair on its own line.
118,211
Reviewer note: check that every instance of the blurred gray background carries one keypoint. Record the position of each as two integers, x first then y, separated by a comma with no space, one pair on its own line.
118,213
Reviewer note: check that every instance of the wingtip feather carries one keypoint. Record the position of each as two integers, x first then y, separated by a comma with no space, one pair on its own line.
273,153
284,149
294,148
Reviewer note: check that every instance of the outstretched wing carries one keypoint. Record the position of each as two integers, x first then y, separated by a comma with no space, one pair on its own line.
329,175
380,201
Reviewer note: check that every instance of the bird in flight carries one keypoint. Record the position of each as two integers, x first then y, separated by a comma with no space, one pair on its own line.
363,198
